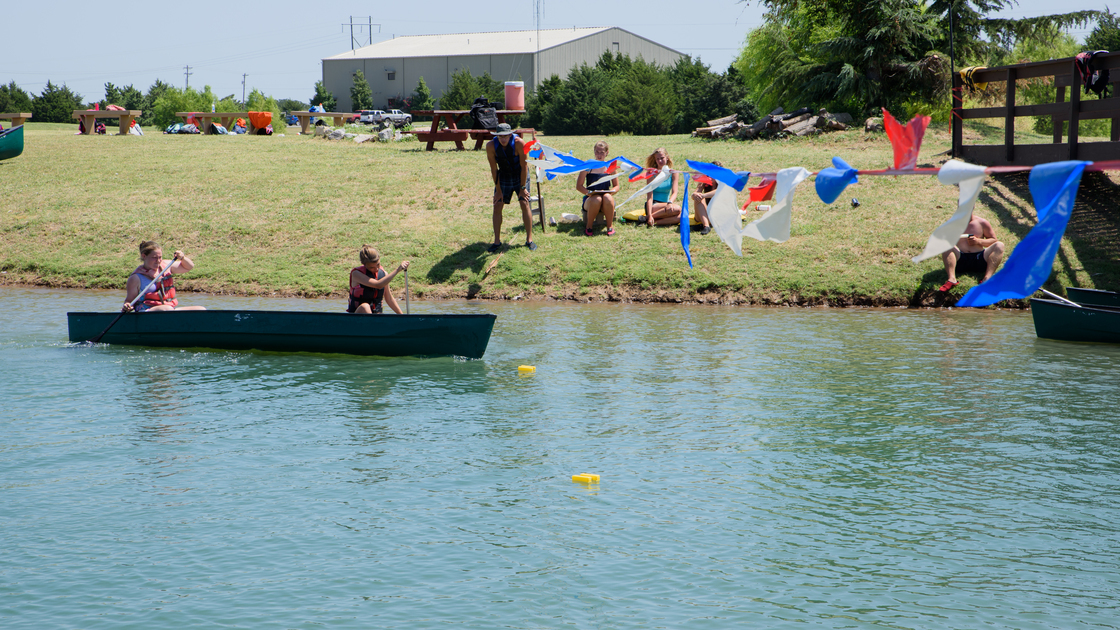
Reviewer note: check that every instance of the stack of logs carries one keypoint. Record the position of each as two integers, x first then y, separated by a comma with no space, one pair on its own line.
776,124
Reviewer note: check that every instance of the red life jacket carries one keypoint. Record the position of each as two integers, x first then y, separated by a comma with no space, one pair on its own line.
162,293
360,294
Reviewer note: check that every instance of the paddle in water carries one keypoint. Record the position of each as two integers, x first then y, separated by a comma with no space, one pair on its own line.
139,296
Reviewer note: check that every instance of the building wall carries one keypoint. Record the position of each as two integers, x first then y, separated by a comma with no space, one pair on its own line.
338,74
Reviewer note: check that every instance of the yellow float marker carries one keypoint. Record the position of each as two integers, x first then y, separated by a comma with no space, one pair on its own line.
526,369
585,478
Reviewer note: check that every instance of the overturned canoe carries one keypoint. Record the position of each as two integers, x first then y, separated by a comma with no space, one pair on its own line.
1093,296
11,142
1066,322
283,331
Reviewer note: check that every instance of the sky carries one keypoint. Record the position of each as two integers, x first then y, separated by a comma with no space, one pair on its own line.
281,50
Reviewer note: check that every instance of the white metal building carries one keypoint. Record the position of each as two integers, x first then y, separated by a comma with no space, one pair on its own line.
393,67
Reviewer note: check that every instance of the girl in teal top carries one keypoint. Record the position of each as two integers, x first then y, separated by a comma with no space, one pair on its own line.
661,206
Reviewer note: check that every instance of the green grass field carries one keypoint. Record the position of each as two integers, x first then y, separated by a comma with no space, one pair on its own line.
286,215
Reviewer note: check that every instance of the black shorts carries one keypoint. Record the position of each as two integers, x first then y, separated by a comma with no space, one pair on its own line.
971,262
510,186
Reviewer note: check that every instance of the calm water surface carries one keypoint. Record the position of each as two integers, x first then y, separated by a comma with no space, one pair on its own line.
768,468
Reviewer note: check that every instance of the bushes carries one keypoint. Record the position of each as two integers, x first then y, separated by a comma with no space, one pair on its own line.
622,95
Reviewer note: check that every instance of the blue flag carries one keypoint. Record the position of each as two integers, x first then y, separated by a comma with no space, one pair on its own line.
738,181
832,181
685,226
1054,189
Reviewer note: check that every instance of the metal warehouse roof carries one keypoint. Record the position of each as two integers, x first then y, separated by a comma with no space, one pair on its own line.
500,43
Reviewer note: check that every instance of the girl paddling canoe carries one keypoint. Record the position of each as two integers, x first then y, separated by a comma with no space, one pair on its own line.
160,297
369,284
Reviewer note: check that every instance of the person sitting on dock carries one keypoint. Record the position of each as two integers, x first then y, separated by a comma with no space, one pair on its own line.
369,284
510,172
977,251
160,297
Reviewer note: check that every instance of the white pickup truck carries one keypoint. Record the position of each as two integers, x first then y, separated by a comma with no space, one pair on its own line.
377,116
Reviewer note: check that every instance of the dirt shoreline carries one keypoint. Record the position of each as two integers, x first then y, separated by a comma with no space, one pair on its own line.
923,298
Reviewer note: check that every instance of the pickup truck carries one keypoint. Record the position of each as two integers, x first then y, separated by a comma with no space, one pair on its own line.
395,116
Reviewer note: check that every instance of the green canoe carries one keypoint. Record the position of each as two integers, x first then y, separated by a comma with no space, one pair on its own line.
1065,322
282,331
11,142
1093,296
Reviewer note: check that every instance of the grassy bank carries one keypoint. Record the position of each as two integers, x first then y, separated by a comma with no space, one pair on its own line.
285,215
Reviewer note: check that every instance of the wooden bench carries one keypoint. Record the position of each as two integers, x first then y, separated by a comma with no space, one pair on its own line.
17,119
225,119
90,116
305,118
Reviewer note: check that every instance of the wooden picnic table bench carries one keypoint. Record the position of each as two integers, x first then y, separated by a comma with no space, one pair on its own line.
17,119
305,118
225,119
90,116
452,133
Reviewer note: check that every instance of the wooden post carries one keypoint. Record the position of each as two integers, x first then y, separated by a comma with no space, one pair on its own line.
958,103
1009,118
1074,109
1059,126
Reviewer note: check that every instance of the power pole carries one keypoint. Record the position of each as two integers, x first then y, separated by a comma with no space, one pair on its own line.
370,25
189,73
243,76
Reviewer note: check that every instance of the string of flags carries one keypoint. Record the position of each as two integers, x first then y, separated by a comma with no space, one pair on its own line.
1053,189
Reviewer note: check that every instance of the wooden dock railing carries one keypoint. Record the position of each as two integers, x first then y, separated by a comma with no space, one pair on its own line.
1079,107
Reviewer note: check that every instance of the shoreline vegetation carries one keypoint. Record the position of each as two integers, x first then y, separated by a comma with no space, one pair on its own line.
286,215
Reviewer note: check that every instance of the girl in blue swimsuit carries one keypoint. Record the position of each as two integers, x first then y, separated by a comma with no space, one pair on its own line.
661,207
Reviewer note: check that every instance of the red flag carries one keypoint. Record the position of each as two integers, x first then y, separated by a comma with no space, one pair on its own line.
907,140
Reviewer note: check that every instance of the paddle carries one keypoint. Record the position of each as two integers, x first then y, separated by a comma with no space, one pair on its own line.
1060,298
139,296
407,311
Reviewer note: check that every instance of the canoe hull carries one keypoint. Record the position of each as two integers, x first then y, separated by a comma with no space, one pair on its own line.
11,143
1093,296
282,331
1056,320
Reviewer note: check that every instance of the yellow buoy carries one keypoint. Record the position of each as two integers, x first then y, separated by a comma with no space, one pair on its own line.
526,368
585,478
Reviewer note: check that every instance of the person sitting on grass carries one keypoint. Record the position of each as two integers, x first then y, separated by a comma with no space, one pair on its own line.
700,198
977,251
660,207
598,196
509,169
160,297
369,284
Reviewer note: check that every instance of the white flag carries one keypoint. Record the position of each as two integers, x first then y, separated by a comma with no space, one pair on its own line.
971,180
775,224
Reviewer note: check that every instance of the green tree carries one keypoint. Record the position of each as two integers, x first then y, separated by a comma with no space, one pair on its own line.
14,100
127,97
323,98
1106,35
154,92
422,98
539,100
361,95
291,105
465,88
642,101
575,107
56,104
703,95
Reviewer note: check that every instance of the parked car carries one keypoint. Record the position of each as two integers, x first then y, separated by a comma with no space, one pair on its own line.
378,116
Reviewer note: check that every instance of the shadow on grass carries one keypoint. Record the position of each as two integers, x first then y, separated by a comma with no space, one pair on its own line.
1093,231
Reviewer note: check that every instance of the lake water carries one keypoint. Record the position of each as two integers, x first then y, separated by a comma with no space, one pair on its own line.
768,468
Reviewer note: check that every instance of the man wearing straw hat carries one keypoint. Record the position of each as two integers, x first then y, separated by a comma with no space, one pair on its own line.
510,171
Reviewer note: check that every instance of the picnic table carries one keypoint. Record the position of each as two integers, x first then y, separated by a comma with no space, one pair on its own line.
17,119
305,118
452,133
225,119
89,116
